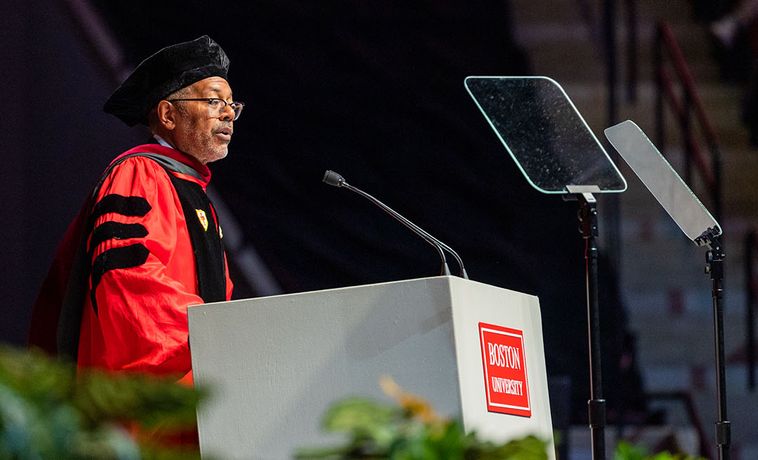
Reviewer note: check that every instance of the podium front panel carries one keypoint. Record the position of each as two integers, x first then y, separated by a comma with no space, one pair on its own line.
274,365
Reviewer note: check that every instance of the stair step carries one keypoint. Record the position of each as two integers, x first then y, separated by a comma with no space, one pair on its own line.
669,353
722,106
740,413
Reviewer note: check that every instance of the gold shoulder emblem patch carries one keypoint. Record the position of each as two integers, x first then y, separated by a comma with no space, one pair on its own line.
202,218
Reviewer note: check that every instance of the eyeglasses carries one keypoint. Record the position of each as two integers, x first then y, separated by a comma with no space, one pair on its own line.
216,105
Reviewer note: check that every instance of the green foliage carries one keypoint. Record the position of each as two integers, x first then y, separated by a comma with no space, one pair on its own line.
627,451
48,410
411,430
379,431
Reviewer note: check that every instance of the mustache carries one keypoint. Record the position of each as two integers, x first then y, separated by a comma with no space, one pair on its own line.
226,128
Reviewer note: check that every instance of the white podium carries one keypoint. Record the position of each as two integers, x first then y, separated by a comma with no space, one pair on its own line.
275,364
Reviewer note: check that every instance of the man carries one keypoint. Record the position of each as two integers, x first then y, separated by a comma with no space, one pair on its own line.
147,243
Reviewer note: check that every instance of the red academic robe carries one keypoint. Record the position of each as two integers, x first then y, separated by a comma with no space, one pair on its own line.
143,271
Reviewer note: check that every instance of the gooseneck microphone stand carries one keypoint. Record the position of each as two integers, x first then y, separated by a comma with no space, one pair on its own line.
336,180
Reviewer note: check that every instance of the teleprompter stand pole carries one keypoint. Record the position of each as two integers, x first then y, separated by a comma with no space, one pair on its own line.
596,404
714,266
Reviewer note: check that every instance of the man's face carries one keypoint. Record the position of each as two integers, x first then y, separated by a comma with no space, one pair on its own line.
202,131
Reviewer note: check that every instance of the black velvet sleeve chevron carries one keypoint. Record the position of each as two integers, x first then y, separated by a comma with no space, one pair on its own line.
122,257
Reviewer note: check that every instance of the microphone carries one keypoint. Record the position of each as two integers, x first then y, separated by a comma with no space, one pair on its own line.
336,180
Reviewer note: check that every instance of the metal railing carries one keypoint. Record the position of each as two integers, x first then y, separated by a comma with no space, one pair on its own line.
677,91
676,87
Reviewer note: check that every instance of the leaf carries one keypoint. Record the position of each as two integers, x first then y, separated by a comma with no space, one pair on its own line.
144,399
363,419
627,451
48,410
410,430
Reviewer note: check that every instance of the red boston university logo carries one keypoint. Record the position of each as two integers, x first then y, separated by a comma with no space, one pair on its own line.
505,379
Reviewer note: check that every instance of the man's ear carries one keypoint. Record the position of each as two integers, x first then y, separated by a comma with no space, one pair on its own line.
166,114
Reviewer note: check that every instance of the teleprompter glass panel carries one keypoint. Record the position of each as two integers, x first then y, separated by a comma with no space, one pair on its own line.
663,182
545,134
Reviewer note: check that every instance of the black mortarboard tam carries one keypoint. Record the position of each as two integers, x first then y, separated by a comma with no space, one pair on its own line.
170,69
